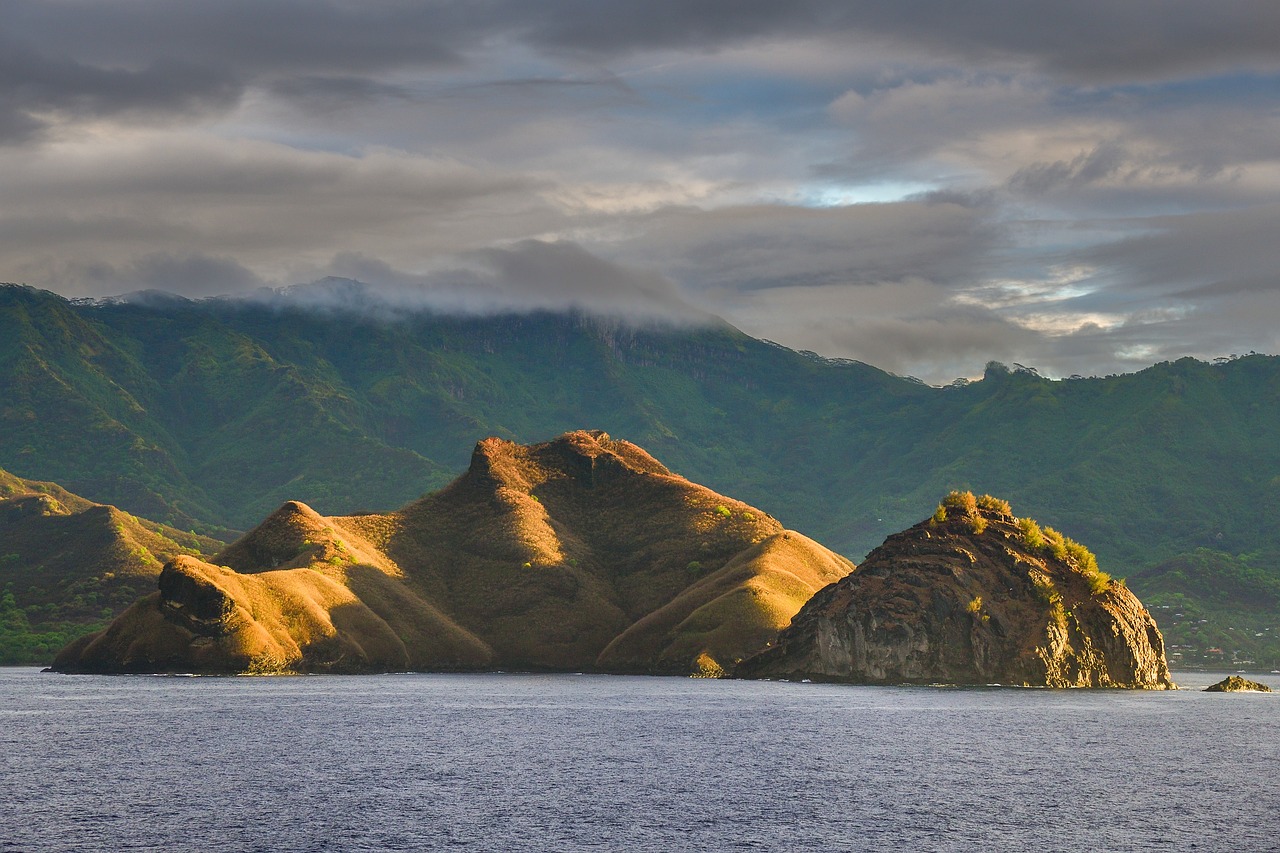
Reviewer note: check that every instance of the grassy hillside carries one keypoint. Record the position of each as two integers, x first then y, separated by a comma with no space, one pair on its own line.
68,565
1217,610
583,553
208,415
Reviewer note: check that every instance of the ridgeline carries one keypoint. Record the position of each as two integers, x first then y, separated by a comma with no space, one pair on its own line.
207,415
580,554
69,565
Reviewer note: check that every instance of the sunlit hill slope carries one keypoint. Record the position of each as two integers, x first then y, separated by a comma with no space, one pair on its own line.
68,565
581,554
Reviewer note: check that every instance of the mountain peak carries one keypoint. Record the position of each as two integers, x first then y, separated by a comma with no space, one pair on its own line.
278,540
580,454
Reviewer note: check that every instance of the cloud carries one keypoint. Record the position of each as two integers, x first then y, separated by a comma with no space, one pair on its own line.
87,60
39,91
71,62
1091,39
911,328
269,207
323,92
751,247
530,275
258,36
186,275
563,274
660,158
1199,256
1104,161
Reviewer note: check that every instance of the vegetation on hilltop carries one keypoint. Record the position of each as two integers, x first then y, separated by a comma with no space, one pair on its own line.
975,511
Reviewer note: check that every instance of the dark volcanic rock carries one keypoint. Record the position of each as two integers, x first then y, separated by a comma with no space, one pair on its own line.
1236,684
967,600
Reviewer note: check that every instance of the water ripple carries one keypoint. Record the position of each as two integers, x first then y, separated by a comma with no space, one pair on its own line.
586,763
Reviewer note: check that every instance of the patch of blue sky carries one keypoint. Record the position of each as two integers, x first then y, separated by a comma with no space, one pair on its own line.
844,195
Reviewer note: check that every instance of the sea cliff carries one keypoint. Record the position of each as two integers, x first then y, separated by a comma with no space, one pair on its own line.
973,595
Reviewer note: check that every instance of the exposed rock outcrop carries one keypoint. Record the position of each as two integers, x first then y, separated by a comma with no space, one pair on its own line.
973,596
582,554
1236,684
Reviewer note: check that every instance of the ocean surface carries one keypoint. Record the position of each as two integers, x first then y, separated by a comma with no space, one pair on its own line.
565,762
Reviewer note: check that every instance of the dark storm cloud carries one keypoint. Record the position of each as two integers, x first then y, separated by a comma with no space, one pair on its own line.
33,86
1091,38
89,59
1200,255
254,36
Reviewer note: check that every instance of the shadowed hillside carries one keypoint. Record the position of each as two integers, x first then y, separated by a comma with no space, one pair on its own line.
583,553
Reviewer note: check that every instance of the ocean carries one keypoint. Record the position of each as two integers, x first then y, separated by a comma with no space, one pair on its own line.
506,762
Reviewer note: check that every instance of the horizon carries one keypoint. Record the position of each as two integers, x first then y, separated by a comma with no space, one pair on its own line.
923,188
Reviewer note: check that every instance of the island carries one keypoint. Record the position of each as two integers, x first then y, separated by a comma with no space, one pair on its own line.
973,596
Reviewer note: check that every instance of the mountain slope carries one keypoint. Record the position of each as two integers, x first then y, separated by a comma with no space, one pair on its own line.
582,553
67,565
209,414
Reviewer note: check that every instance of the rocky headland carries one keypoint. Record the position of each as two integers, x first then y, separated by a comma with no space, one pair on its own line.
973,595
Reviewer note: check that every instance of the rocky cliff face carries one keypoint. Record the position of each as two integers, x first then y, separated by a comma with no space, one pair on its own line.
582,554
973,596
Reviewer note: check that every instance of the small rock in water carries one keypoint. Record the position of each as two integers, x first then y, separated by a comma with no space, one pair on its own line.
1236,684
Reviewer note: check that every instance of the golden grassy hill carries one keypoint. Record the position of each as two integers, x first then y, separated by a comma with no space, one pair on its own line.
582,553
68,564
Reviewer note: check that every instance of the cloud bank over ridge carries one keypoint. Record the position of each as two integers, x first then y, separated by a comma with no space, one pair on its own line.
922,185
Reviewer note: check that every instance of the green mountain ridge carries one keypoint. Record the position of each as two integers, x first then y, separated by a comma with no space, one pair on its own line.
207,415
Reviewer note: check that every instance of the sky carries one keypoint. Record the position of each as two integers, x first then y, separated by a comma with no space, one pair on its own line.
924,185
